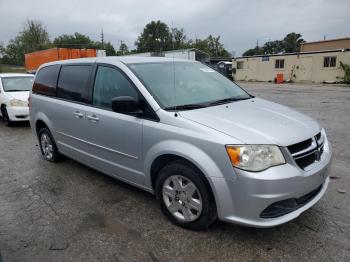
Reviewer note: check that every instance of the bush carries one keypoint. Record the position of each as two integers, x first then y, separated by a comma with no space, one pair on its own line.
346,69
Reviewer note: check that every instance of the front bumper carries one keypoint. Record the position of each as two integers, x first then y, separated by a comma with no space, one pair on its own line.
242,201
18,113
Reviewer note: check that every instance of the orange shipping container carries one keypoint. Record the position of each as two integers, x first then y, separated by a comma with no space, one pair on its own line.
34,60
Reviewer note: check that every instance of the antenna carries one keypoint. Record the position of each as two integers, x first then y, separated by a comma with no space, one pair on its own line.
173,40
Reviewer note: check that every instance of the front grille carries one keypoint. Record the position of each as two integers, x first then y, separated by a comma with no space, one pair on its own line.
286,206
307,152
300,146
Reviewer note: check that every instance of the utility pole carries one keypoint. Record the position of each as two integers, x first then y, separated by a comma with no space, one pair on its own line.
102,40
121,47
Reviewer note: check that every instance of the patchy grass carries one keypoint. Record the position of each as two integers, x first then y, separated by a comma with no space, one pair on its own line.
11,69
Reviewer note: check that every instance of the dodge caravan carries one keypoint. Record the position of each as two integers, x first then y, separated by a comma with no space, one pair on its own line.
178,129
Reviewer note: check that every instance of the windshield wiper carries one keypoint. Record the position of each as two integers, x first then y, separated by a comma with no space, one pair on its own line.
227,100
186,107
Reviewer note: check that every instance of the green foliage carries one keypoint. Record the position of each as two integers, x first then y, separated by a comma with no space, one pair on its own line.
110,51
123,49
156,37
273,47
290,44
107,46
76,40
32,38
346,69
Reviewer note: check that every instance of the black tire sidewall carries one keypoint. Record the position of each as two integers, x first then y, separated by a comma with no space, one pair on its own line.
208,215
55,155
5,116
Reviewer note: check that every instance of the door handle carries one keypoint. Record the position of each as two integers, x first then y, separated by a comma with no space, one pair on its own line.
93,118
77,114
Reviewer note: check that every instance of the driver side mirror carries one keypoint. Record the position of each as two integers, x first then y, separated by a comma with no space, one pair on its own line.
126,105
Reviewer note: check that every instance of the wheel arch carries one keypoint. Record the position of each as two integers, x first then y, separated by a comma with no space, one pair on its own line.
156,159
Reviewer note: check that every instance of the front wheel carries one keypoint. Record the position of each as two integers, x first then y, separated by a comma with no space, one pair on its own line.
5,117
184,196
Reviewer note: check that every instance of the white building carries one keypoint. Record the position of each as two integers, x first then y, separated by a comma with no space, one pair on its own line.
189,54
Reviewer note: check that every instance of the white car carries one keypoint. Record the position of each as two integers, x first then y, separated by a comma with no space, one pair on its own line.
14,93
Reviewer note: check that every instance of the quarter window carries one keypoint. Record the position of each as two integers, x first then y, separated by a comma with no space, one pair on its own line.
73,83
329,61
279,63
110,83
46,80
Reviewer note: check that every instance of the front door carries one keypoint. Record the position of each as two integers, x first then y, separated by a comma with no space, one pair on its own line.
305,69
115,139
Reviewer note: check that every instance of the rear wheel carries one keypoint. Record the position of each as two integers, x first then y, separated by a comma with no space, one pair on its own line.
48,146
5,117
184,196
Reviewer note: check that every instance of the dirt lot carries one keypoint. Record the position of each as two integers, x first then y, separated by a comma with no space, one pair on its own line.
68,212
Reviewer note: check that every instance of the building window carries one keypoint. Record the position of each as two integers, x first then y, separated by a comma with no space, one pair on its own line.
329,61
240,65
279,63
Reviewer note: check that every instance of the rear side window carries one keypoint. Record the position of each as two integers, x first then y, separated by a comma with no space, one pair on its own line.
73,83
45,81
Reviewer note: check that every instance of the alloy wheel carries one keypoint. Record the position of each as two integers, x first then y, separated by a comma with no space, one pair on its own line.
182,198
46,146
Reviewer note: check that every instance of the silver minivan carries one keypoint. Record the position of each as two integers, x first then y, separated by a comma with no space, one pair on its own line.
178,129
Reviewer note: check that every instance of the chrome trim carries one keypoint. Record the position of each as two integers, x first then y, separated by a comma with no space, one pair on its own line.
313,146
98,146
309,153
316,147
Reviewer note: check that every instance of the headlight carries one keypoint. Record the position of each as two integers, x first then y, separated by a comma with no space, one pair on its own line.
18,103
255,157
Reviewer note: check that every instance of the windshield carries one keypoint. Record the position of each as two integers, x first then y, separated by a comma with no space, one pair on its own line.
18,83
196,84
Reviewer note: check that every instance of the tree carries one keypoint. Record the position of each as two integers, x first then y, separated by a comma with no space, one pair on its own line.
123,49
33,37
154,38
76,40
216,48
210,45
110,51
254,51
292,42
273,47
178,38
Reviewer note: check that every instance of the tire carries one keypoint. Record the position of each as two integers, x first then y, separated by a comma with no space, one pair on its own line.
5,117
48,146
194,207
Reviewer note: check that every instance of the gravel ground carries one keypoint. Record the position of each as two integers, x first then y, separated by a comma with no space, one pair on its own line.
68,212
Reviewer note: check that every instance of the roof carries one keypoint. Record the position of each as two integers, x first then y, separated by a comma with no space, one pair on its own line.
297,53
328,40
116,59
15,75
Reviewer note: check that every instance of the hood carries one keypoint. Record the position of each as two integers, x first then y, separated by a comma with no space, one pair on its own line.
20,95
256,121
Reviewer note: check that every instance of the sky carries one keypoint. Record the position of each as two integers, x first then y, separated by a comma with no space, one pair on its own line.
239,23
